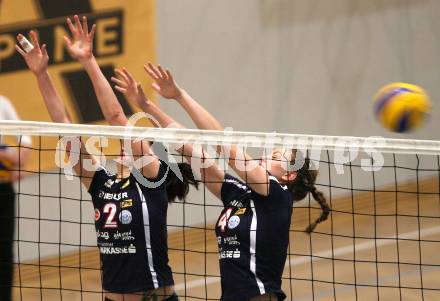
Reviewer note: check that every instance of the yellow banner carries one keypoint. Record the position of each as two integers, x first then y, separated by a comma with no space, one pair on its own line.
124,38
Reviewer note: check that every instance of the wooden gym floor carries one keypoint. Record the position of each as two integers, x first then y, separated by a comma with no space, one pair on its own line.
343,268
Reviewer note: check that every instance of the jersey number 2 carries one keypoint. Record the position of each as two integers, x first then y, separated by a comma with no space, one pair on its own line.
110,209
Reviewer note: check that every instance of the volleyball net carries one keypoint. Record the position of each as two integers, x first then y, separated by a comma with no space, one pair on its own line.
380,241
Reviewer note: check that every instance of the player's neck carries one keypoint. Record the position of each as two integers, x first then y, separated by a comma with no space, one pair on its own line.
122,172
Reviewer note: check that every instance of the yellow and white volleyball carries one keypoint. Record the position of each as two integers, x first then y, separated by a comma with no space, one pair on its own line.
401,107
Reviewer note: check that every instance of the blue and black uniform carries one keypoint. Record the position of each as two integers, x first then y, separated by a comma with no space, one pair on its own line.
253,236
131,228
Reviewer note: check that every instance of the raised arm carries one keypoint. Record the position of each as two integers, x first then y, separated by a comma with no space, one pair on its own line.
212,175
164,83
80,47
37,60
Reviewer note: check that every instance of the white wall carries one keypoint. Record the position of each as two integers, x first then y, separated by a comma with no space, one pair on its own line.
300,66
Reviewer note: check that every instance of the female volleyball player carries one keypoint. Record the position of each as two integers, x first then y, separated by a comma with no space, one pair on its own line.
130,219
253,228
11,163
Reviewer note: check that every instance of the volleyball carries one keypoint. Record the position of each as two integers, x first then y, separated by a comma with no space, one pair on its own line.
401,107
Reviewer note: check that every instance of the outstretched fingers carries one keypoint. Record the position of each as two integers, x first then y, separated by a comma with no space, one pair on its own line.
19,50
44,50
129,76
92,32
151,70
162,73
78,25
121,89
119,82
72,28
170,76
68,42
34,39
122,75
85,26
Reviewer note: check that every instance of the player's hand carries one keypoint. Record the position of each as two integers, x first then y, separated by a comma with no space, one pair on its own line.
164,83
36,59
132,90
80,45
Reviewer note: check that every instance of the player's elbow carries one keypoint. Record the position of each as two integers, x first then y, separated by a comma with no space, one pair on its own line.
117,118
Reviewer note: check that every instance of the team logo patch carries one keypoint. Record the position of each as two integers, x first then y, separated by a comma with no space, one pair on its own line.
233,222
240,211
126,204
97,214
125,217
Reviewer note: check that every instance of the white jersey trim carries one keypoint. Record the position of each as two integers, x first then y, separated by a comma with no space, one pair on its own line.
146,219
276,180
253,243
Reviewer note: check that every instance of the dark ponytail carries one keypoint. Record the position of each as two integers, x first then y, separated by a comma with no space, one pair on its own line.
177,188
319,197
305,183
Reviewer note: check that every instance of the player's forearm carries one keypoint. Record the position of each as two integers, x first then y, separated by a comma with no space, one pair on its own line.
110,106
205,120
51,98
201,117
159,116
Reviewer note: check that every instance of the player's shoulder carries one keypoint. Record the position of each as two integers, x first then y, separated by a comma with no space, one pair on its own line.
230,179
275,187
102,178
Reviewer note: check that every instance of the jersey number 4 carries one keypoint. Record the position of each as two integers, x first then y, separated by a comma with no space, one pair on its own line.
223,221
110,209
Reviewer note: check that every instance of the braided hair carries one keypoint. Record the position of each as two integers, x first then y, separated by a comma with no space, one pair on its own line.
305,183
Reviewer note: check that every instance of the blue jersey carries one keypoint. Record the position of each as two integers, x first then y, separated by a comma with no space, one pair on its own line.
130,222
253,236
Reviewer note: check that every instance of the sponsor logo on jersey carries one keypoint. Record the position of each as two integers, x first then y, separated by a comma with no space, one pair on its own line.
109,183
126,204
97,214
240,211
229,254
233,222
126,184
131,249
231,240
123,236
102,234
125,217
113,196
237,204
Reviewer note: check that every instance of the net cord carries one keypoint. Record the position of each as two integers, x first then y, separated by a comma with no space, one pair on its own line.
254,139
